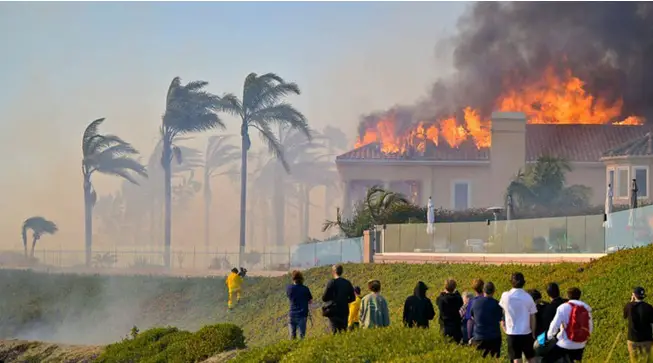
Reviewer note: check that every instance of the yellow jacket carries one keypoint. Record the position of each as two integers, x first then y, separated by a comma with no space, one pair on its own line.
354,311
234,281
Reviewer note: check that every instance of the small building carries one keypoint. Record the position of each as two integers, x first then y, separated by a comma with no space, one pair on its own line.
465,177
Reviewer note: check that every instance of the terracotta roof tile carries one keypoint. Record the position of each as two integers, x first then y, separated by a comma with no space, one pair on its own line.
641,146
579,143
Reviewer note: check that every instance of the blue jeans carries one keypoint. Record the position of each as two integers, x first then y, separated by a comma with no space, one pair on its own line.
295,324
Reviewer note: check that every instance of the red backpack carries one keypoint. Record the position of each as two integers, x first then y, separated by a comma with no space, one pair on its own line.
578,328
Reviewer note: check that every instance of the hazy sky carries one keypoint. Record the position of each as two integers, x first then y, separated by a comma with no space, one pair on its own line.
65,64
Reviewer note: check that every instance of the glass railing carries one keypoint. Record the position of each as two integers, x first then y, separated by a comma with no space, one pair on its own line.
579,234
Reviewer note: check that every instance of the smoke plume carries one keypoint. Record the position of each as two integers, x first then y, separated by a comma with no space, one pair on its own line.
500,46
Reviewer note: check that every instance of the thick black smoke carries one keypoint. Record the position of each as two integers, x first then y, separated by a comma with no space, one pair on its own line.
608,45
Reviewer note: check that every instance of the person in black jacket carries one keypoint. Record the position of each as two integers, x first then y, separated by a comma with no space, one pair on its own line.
449,303
549,311
418,309
338,294
540,326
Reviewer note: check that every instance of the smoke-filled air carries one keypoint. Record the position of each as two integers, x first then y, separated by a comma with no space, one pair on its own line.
193,138
563,63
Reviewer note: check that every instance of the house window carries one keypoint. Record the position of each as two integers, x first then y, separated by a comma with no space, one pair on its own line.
623,184
641,175
460,195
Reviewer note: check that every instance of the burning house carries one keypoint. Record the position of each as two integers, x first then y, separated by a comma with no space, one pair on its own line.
531,79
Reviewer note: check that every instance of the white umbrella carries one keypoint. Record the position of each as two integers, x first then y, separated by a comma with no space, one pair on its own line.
632,217
607,220
430,217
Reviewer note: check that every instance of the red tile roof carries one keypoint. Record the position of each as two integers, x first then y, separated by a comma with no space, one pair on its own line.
576,143
641,146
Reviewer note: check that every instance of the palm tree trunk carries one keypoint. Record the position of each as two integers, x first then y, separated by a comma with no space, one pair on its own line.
306,199
243,191
279,207
250,221
207,210
33,246
88,221
25,240
167,180
300,211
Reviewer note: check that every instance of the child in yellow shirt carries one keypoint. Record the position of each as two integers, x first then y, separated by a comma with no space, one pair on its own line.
354,310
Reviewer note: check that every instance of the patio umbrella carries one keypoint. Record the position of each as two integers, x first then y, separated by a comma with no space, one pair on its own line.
510,214
430,217
607,216
633,204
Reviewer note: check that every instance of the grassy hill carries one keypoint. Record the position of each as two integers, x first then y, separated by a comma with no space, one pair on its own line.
101,309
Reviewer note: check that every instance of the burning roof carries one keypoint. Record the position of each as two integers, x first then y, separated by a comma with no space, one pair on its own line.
559,63
552,99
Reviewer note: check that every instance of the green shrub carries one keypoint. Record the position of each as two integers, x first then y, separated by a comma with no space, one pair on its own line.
170,345
213,339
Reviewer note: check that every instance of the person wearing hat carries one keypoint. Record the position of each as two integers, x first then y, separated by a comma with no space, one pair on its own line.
640,317
418,309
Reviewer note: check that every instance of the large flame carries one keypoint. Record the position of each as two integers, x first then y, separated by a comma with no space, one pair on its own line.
552,99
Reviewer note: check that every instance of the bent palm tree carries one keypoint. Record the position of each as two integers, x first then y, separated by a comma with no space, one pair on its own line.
219,155
189,108
261,107
107,154
39,227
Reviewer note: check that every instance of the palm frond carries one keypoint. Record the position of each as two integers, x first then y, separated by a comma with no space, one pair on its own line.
273,144
190,109
90,131
219,153
231,104
40,226
121,166
281,114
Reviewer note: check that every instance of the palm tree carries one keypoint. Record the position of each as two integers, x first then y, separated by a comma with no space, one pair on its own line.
543,184
39,227
379,207
218,155
336,142
262,106
107,154
189,108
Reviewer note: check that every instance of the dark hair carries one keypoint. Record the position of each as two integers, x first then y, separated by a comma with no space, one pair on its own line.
374,285
477,286
553,290
357,290
338,269
450,285
489,288
536,295
297,277
517,280
420,289
234,270
573,293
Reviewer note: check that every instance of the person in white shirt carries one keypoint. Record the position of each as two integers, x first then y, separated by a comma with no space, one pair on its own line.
572,347
519,325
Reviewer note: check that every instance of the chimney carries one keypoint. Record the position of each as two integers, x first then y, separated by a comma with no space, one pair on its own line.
507,151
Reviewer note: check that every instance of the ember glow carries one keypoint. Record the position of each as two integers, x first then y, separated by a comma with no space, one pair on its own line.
553,99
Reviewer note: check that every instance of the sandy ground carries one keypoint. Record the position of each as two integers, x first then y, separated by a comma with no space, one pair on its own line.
24,351
33,352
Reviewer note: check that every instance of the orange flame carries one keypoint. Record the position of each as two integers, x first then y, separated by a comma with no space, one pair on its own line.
550,100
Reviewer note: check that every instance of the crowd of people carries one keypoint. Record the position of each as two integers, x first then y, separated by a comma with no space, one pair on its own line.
536,330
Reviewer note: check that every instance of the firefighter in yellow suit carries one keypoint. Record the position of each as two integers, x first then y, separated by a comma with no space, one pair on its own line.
234,283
